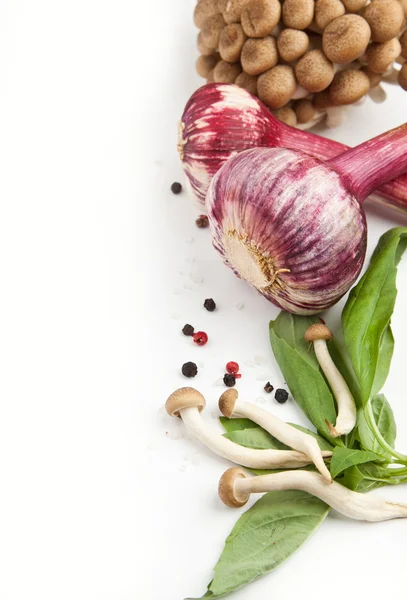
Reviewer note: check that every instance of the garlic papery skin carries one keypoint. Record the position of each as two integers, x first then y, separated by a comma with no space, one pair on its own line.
285,223
221,120
218,122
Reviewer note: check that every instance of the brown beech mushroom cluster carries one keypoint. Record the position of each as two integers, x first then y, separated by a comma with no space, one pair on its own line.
303,57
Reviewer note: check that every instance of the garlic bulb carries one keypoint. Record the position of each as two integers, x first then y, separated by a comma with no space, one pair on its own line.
221,120
293,226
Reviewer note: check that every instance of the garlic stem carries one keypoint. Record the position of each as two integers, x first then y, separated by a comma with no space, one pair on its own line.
236,486
230,405
374,162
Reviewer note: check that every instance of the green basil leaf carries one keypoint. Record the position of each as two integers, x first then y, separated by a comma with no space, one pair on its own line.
383,364
292,328
265,536
255,437
343,458
364,478
236,424
384,418
322,442
247,433
306,382
367,313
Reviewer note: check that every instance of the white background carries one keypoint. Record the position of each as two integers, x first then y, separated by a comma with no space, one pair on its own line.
100,495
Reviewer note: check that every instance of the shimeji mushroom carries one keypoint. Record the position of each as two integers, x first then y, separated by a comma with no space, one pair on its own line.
230,405
187,403
346,419
235,487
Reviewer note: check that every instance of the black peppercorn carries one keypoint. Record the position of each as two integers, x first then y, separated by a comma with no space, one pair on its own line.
176,188
188,330
268,387
210,304
202,222
229,380
281,396
189,369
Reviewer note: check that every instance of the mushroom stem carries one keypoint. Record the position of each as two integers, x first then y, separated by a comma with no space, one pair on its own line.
236,486
187,404
230,405
346,419
248,457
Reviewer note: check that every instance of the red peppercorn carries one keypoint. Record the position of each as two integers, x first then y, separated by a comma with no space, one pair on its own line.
232,367
237,375
200,338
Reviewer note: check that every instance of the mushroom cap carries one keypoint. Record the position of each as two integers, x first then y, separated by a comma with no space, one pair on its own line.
226,72
231,42
314,71
346,38
403,42
402,77
354,5
287,115
259,17
227,491
380,56
227,402
211,30
348,87
204,50
259,55
326,11
205,64
292,44
298,14
385,17
185,397
304,110
210,78
318,331
248,82
232,9
322,100
203,10
277,86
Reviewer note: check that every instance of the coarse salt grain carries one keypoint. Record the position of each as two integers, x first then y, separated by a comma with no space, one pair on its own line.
259,359
196,278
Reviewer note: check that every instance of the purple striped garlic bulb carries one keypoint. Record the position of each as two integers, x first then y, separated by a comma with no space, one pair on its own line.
293,226
221,120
